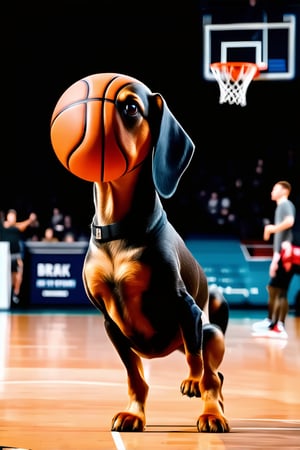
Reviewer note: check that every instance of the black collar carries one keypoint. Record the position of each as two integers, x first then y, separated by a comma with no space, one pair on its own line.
110,232
127,229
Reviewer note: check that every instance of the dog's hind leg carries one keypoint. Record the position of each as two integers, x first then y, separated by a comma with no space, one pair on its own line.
218,309
132,418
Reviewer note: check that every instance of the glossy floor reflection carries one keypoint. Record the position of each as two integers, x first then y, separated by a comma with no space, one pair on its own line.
61,382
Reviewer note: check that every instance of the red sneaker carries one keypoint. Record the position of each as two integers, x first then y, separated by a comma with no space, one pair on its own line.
278,331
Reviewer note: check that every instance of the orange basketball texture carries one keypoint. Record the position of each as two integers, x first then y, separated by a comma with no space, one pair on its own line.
79,129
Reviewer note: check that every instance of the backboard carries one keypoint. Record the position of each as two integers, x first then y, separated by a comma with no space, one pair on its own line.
270,43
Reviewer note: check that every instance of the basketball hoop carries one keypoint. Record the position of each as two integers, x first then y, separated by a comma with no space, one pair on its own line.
234,78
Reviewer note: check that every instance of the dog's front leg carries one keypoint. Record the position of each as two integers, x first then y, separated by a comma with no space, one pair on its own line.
133,417
204,349
212,418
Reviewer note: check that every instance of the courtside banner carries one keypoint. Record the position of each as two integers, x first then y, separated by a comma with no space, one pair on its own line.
54,273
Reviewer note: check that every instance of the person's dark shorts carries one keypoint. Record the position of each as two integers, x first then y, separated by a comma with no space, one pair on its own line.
14,262
282,278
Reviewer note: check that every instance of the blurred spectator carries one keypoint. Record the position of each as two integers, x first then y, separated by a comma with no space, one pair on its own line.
69,228
213,204
33,238
57,222
49,235
12,231
69,237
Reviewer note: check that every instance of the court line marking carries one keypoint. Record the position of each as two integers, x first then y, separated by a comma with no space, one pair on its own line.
267,428
91,383
82,382
118,440
116,435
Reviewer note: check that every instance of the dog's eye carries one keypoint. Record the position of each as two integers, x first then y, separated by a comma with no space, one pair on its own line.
131,109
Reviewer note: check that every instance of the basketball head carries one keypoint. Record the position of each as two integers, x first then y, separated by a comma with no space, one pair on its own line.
88,133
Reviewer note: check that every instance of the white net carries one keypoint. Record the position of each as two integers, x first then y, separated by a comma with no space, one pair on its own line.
233,80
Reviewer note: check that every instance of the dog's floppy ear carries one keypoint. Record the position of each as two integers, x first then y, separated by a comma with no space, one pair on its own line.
173,150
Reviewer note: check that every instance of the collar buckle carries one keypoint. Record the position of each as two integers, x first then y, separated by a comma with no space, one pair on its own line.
98,233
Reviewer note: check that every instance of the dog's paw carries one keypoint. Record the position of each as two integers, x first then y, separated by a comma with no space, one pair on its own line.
125,421
190,387
211,423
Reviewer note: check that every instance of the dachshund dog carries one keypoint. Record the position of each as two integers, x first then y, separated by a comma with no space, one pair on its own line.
138,271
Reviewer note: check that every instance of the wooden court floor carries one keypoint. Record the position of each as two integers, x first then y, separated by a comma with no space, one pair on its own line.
61,382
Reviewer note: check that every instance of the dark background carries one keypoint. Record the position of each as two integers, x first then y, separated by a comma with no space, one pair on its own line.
160,43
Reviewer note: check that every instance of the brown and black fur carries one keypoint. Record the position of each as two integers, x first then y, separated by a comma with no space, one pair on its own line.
138,271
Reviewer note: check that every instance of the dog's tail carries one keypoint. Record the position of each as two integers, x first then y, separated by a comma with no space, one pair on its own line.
218,308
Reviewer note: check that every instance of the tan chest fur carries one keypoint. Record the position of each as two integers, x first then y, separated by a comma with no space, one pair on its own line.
117,277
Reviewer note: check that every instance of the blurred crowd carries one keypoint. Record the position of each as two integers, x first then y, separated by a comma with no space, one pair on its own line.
220,196
232,199
16,232
59,228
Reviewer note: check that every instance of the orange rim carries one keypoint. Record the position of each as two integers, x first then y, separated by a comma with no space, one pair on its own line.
234,68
